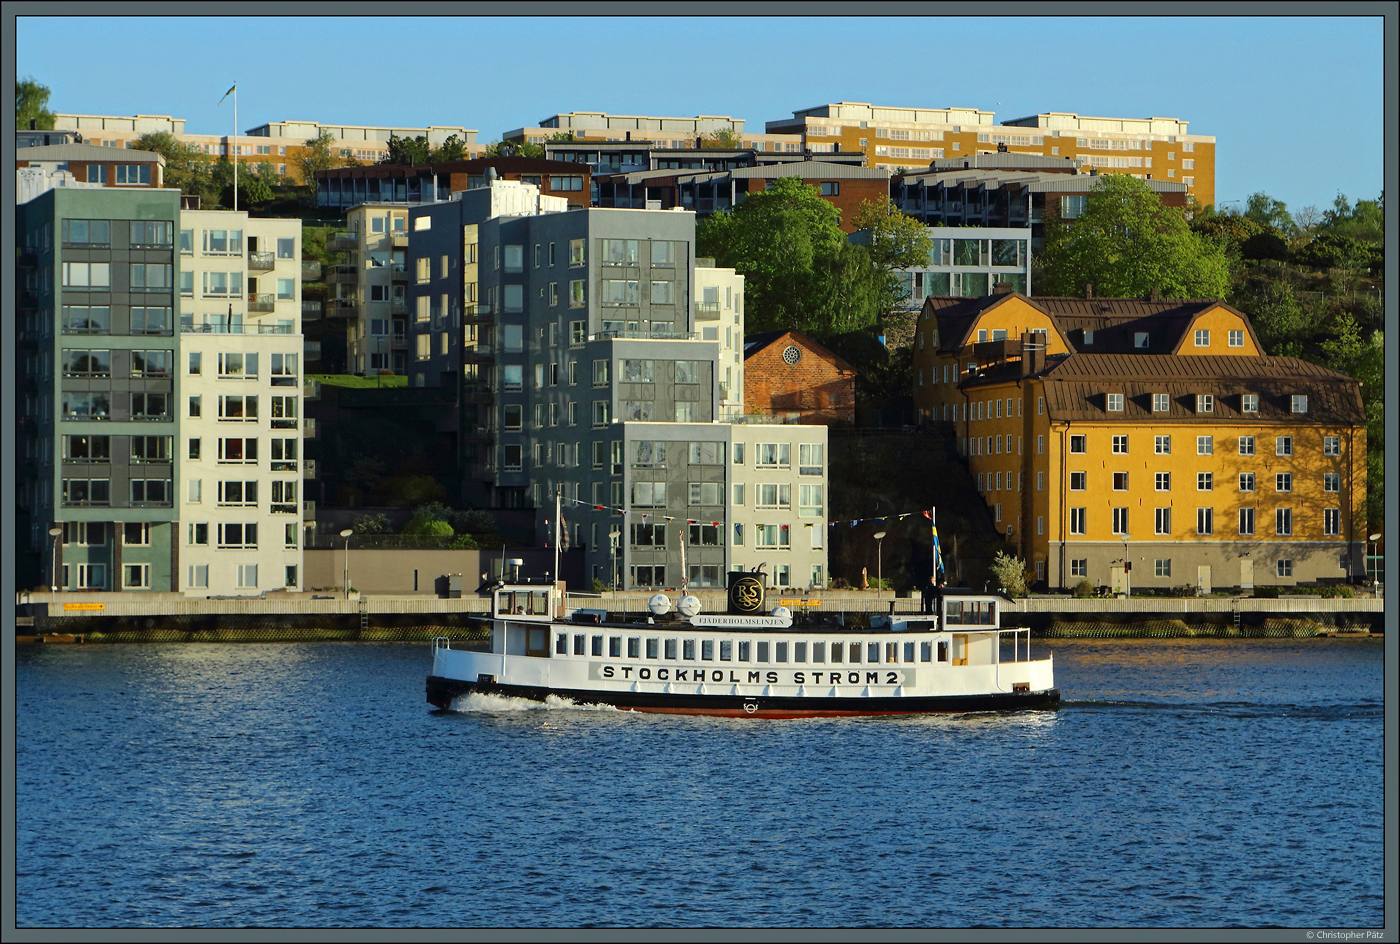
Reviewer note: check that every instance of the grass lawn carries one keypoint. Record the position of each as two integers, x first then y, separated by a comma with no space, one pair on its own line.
355,380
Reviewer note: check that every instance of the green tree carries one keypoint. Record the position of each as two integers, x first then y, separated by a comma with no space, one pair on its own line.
722,139
319,155
407,150
786,241
1364,222
1010,573
1266,211
452,149
1350,351
187,167
32,104
513,149
1126,243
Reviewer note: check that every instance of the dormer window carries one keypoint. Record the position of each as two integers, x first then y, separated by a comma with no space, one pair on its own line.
1088,336
1205,403
981,335
1140,339
1235,338
1249,403
1161,403
1114,402
1202,337
1300,403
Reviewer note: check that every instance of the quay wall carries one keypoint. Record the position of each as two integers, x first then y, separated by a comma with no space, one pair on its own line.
129,617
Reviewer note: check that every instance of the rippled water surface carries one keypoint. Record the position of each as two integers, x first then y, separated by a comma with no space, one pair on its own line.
1182,784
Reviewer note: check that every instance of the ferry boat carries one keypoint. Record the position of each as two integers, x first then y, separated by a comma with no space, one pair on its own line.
748,664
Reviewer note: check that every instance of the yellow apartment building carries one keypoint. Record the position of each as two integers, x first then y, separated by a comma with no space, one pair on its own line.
1147,443
902,139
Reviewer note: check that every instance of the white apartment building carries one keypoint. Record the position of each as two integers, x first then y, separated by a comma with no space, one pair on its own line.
240,449
369,291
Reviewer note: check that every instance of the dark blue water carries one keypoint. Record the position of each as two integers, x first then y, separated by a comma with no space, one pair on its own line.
1182,784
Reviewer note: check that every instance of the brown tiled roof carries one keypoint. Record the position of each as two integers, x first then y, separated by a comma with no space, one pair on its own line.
1075,388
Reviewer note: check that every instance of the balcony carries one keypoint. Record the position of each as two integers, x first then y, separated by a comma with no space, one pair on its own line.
343,242
308,511
399,273
707,311
342,308
311,389
399,239
308,469
398,306
477,393
311,271
310,309
343,275
261,261
308,427
262,301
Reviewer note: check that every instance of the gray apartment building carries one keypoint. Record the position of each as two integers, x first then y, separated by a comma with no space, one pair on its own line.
572,338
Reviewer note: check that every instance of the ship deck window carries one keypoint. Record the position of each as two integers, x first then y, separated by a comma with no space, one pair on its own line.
688,649
780,650
634,647
670,648
615,647
707,650
762,651
653,647
909,651
925,651
799,652
561,644
872,653
836,649
942,650
745,647
891,652
726,650
580,644
597,645
855,654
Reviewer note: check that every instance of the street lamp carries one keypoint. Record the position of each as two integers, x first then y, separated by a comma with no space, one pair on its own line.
1372,567
53,574
346,535
879,559
1127,568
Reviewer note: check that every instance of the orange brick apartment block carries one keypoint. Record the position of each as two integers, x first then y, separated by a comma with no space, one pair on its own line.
786,372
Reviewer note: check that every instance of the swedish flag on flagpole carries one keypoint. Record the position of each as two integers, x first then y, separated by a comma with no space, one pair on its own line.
937,551
230,91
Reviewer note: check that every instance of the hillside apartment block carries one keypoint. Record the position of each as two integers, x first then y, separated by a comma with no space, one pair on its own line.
160,391
278,143
596,361
1119,440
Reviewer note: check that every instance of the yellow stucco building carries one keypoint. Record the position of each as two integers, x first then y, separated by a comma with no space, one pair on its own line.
1152,432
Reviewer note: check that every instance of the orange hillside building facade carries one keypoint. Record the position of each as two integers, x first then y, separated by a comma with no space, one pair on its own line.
1147,443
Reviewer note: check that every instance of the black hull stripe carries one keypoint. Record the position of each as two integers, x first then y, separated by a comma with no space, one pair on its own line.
442,691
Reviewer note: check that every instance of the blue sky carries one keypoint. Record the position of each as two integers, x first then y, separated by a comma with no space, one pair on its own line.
1259,85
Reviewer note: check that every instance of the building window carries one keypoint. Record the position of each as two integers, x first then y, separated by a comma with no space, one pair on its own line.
1246,481
1283,521
1162,567
1162,445
1249,403
1120,445
1076,521
830,188
1300,403
1283,445
1161,402
1163,481
1284,568
1079,567
1115,402
1246,445
1331,482
1331,521
1331,445
1235,338
1246,522
1162,521
1283,482
1076,443
1204,446
1205,520
1202,337
1205,403
1120,520
1120,481
1205,481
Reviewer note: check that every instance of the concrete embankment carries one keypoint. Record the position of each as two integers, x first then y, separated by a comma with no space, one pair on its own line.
123,617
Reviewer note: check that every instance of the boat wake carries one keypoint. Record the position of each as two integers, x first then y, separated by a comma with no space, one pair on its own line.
499,704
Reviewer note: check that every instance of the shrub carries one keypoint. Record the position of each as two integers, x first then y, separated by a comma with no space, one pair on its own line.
371,524
433,527
1083,589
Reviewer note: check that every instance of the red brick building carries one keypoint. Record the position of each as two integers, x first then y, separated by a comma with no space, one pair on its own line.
787,373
